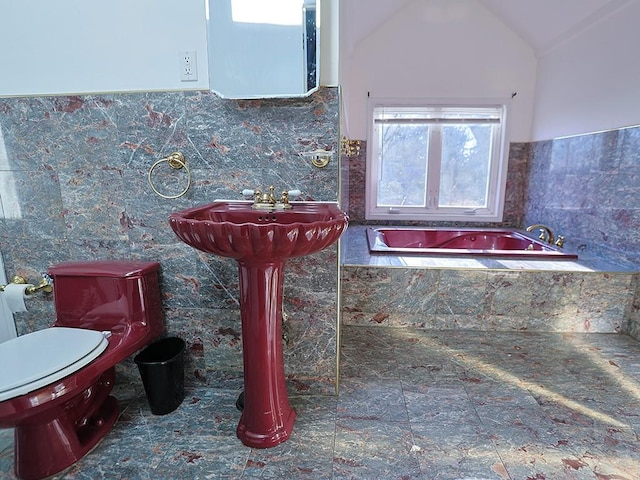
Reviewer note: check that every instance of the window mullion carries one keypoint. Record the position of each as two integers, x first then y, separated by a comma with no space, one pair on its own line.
433,166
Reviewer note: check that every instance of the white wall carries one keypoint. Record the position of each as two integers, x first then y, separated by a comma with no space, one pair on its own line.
7,323
434,49
50,47
591,82
79,46
329,42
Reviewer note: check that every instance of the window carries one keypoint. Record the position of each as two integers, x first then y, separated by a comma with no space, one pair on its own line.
436,162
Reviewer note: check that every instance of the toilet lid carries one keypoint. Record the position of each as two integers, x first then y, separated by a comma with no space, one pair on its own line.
39,358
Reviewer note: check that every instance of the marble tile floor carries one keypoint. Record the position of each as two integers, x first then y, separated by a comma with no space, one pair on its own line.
414,404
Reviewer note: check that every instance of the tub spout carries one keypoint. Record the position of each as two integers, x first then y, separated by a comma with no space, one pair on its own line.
546,234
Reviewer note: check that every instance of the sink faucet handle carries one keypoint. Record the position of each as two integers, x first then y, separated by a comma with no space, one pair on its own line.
255,194
289,195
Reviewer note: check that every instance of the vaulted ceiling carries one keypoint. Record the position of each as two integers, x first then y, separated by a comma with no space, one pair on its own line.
545,23
541,23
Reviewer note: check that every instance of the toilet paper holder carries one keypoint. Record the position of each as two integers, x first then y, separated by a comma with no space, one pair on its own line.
46,284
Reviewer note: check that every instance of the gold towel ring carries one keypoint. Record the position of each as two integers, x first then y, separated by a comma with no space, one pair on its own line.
176,161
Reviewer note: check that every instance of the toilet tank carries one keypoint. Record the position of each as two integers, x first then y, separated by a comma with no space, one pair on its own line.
107,295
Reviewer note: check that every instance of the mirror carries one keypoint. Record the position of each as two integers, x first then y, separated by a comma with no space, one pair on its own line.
263,48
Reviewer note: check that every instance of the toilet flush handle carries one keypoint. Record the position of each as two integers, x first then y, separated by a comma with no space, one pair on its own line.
46,285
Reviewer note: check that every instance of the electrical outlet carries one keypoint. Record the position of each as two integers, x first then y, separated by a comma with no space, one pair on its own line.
188,66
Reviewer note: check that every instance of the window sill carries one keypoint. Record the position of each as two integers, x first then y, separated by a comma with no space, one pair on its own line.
413,217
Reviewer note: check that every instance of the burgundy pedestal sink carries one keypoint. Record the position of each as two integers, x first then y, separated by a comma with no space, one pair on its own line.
261,241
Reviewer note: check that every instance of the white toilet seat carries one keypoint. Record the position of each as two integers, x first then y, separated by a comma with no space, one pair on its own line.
34,360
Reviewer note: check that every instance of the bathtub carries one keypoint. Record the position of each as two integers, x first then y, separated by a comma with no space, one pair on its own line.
463,241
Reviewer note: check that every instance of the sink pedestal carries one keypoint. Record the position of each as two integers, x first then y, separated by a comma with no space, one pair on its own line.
267,418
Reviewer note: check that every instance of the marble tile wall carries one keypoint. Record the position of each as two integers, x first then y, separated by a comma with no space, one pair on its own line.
73,172
588,188
488,300
633,327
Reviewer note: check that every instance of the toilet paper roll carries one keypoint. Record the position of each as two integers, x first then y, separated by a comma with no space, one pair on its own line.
14,294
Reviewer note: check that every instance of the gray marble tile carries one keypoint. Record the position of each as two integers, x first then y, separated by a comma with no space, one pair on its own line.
414,403
543,461
307,454
462,292
455,450
493,296
371,450
440,405
372,399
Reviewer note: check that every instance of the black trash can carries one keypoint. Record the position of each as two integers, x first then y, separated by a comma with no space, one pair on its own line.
161,367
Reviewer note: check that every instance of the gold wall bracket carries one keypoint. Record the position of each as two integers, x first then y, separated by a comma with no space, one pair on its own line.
319,158
349,148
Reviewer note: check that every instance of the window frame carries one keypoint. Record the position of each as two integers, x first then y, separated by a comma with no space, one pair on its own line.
497,169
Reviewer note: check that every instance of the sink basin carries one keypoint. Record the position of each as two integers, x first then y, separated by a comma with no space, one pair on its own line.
233,229
261,241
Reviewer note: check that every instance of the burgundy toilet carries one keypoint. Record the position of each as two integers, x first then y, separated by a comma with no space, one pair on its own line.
55,383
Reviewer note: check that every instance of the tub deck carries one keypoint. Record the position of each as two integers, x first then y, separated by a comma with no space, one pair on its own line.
354,251
483,293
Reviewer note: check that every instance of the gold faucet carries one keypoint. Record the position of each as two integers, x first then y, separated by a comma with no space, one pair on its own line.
269,201
266,199
546,235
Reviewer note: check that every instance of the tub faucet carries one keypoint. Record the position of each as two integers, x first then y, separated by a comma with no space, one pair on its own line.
546,235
